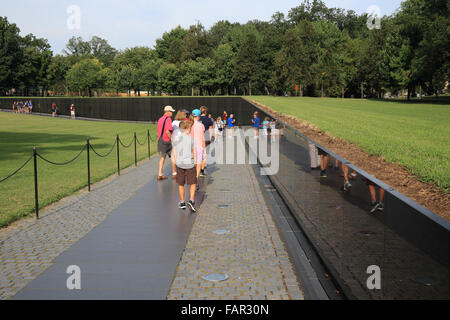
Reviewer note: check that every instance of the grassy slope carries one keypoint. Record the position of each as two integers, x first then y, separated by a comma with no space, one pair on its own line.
58,140
416,135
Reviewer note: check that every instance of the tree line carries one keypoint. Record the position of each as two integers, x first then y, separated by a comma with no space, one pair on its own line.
312,51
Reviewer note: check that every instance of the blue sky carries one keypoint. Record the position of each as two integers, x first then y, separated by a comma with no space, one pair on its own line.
140,22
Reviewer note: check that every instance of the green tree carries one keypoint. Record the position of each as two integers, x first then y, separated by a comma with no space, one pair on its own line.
56,75
332,57
248,65
169,47
33,69
296,61
149,75
86,75
168,78
224,59
10,54
196,44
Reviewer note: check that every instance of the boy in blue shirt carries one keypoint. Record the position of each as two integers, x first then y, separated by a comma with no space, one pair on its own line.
231,122
256,124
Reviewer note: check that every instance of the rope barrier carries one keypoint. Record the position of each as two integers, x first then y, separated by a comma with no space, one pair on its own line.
62,163
15,172
107,154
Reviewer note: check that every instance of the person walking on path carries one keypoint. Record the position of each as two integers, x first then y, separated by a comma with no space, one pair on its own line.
72,111
184,154
165,130
266,124
53,109
198,134
218,128
208,123
225,117
179,118
323,163
256,124
231,122
30,106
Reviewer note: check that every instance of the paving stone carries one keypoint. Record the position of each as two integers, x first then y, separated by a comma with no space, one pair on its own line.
252,254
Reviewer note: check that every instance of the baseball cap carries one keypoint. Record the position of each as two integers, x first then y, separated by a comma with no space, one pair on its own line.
169,108
196,113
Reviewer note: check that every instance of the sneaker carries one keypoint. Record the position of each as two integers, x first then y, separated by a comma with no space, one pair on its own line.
347,186
182,205
191,205
203,174
375,207
380,207
323,174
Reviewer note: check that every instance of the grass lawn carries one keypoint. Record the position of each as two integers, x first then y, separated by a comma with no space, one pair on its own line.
415,134
58,140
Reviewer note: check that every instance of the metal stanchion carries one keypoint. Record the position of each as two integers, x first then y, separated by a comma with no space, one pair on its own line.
88,165
36,195
118,156
148,143
135,152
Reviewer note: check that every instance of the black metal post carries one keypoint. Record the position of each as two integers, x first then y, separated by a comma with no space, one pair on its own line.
135,153
118,156
148,143
88,164
36,195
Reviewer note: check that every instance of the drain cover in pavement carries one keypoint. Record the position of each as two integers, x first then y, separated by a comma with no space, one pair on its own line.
215,277
426,281
221,232
222,206
367,233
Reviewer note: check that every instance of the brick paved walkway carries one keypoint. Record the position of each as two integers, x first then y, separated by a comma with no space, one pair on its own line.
252,254
29,247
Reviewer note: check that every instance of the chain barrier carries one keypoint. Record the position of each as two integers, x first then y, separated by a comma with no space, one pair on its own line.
86,147
107,154
126,146
17,171
62,163
141,144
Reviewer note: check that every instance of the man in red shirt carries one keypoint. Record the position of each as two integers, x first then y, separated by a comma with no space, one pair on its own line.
165,130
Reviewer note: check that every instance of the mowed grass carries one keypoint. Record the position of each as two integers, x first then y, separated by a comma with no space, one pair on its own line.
58,140
414,134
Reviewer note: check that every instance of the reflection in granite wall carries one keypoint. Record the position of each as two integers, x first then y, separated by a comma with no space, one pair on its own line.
348,237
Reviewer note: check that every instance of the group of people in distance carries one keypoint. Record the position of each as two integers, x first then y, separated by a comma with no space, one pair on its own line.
269,126
55,110
23,107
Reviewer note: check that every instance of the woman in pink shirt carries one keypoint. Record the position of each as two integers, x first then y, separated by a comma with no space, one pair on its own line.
198,134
